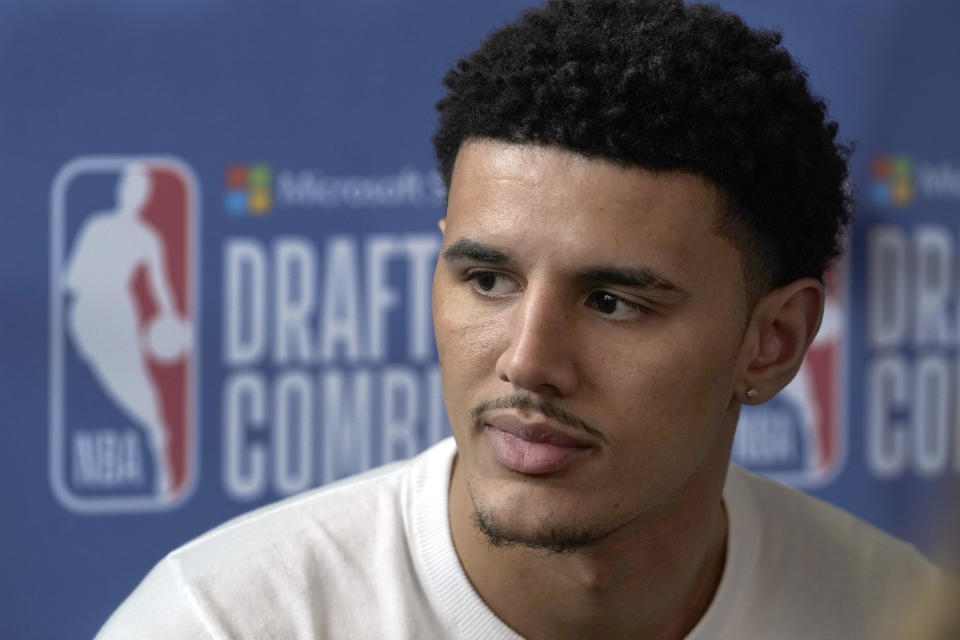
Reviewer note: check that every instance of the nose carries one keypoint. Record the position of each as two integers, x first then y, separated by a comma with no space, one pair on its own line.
540,356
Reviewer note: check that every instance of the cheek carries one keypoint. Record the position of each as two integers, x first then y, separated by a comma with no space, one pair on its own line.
467,350
702,380
670,412
674,386
468,340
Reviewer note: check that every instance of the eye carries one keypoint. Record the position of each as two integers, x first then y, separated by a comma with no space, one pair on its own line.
492,284
615,307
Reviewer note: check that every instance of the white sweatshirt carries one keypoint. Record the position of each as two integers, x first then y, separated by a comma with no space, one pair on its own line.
372,557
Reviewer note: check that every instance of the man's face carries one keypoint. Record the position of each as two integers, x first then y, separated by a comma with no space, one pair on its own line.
588,323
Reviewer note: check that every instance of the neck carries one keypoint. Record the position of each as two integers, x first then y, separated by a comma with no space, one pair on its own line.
653,578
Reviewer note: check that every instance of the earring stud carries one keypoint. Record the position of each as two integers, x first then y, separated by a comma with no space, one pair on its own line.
752,394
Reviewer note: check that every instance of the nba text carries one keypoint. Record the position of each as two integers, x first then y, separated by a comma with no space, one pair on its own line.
107,459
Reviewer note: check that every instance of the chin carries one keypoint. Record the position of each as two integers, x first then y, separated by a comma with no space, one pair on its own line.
516,525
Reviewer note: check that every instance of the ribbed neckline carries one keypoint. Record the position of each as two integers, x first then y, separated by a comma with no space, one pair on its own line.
463,612
743,545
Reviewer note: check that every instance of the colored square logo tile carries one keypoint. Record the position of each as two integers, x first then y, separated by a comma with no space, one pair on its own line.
260,201
260,175
235,201
236,176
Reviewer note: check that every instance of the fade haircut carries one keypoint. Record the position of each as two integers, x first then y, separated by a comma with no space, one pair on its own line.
663,86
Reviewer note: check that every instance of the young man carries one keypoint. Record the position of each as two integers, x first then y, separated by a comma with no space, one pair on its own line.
643,198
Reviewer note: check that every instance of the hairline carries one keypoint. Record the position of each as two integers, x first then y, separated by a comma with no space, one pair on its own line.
728,224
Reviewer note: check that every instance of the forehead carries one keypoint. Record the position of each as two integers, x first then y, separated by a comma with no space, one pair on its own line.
554,206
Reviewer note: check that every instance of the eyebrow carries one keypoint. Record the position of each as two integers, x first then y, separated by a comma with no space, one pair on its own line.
466,249
640,277
637,277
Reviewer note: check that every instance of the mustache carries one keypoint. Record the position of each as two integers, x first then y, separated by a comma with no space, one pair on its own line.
550,410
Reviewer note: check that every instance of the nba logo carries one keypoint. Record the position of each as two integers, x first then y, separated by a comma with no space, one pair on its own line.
123,327
799,436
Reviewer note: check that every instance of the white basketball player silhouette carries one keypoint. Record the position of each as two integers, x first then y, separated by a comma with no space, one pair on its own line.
103,326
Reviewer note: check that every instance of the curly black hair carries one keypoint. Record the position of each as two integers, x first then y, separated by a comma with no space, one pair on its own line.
664,86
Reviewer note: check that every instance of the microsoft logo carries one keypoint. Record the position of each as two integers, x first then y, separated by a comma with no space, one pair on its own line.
249,189
893,182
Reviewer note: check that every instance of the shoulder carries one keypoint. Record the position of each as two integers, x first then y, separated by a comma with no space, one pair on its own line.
348,507
819,566
297,566
808,523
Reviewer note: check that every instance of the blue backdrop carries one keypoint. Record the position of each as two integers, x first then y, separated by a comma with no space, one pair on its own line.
280,263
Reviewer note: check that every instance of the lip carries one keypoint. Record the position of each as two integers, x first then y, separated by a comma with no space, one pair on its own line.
533,447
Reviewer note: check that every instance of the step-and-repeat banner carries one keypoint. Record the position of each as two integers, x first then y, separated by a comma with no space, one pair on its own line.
219,228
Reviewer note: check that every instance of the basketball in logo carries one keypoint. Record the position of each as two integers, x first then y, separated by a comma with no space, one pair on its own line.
123,333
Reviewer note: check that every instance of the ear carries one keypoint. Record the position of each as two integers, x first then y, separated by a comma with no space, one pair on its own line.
442,224
782,326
